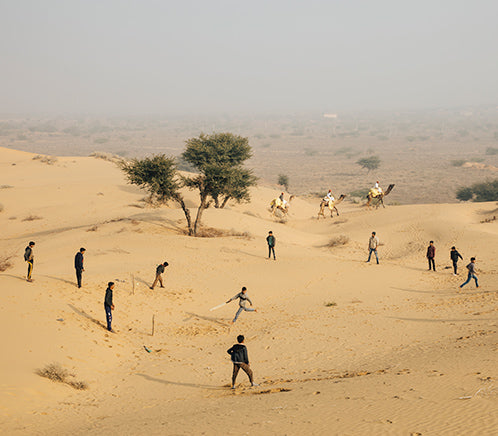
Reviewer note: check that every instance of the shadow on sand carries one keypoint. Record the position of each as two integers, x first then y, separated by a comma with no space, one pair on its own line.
188,385
205,318
87,316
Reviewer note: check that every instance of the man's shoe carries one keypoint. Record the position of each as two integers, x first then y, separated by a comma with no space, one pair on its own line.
150,287
254,384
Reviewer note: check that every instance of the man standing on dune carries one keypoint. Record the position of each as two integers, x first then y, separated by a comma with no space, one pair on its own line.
240,360
373,243
431,254
454,255
30,258
78,265
270,239
159,271
109,305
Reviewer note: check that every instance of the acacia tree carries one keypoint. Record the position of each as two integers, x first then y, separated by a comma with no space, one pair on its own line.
159,176
219,159
370,163
283,180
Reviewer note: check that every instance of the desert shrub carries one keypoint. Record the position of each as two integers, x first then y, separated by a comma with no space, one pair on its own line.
56,373
458,162
370,163
330,304
361,193
93,228
211,232
486,191
6,186
5,263
283,180
106,156
491,151
32,218
310,151
338,241
49,160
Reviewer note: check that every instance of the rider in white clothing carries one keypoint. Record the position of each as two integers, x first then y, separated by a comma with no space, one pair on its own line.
377,186
329,197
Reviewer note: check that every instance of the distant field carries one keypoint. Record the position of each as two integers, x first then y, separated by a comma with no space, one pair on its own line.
421,153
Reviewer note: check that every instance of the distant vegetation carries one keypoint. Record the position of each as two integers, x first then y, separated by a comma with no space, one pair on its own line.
458,162
362,193
370,163
283,180
491,151
486,191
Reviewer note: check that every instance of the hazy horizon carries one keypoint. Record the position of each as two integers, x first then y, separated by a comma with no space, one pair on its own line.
226,57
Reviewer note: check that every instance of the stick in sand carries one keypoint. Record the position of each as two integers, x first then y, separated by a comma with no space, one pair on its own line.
217,307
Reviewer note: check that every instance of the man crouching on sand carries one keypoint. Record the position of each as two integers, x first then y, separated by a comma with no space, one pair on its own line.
240,360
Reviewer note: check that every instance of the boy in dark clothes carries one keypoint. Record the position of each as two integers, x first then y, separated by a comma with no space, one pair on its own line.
472,273
271,245
454,255
78,265
30,258
159,270
242,297
238,354
109,305
431,254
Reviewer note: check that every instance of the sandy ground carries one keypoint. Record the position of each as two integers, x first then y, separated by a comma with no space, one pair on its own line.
338,346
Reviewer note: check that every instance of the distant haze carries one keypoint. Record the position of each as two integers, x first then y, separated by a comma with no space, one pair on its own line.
201,57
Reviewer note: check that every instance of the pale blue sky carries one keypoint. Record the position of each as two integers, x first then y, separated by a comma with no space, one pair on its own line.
143,57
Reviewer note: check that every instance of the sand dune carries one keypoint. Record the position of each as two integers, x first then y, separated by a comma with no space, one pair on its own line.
338,346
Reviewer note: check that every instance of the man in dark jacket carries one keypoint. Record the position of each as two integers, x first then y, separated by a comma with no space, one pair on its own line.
240,360
431,254
109,305
159,270
270,239
78,265
454,255
30,258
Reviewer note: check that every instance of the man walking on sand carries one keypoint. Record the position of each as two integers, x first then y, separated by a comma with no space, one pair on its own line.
270,239
472,273
373,243
159,271
454,255
78,265
109,305
29,257
242,297
431,254
240,360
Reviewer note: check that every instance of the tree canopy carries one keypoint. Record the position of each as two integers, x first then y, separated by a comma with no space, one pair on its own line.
486,191
370,163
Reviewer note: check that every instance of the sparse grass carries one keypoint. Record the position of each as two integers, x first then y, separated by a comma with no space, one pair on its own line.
49,160
330,304
12,217
6,186
93,228
56,373
490,151
1,207
210,232
5,263
338,241
106,156
32,218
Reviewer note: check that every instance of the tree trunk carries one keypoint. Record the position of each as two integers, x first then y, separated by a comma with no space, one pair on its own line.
225,201
187,215
201,208
216,202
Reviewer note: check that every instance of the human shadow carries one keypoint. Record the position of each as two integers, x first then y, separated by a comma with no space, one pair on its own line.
175,383
61,280
417,291
13,276
87,316
205,318
440,320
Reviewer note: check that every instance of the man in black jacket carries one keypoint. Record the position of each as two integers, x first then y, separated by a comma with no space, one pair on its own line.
270,239
238,354
159,270
78,265
30,258
109,305
454,255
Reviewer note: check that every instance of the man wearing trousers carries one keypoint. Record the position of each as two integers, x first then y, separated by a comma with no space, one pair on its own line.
373,243
240,360
109,305
454,255
472,273
270,239
159,271
30,258
431,254
78,265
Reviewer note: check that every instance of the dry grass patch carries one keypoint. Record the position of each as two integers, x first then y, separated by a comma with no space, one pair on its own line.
1,207
93,228
330,304
49,160
211,232
56,373
338,241
32,218
5,263
6,186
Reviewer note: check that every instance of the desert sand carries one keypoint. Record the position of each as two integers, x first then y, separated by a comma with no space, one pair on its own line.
338,346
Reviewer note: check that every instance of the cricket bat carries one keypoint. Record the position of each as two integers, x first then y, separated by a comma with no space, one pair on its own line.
217,307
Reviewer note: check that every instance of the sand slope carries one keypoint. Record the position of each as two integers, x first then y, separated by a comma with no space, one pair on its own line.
392,356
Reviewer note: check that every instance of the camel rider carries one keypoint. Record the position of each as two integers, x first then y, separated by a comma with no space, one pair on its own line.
281,197
329,198
377,186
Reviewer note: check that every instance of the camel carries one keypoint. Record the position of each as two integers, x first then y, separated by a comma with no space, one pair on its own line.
331,205
276,203
380,197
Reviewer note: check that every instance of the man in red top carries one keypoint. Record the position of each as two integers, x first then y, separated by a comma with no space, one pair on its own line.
431,254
